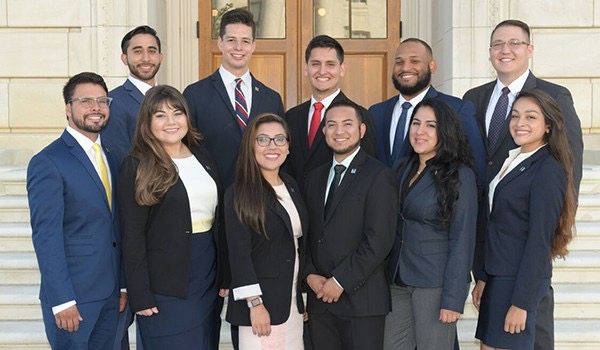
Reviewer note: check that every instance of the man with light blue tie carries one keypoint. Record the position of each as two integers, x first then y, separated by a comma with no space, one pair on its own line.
412,70
75,230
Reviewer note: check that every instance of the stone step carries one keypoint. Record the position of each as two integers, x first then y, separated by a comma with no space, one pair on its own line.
15,237
20,302
578,267
19,268
590,182
14,209
589,208
587,236
13,180
568,334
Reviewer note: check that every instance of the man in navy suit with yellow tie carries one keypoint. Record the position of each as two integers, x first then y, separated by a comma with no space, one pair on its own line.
70,186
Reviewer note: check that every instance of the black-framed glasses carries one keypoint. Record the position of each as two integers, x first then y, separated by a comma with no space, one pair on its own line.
88,102
513,44
264,141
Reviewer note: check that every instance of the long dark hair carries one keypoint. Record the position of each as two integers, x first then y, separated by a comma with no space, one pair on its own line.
452,150
156,172
559,147
253,193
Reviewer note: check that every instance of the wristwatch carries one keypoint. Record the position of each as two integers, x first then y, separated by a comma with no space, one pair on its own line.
254,302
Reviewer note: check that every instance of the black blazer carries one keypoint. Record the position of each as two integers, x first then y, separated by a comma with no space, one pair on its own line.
213,115
525,214
255,259
352,242
302,159
157,239
426,255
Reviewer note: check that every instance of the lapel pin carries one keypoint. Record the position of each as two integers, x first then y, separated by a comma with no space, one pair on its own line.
522,169
256,88
292,190
353,171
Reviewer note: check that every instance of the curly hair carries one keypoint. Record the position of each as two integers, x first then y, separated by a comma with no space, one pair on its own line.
452,150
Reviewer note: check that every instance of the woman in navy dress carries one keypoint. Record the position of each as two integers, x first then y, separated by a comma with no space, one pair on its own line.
531,217
168,196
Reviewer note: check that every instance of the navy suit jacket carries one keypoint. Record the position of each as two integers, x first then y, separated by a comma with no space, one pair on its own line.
480,97
302,159
74,232
118,133
382,112
524,216
213,115
268,262
352,241
425,255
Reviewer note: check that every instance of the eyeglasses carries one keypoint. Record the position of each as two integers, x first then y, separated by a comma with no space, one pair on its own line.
513,44
264,141
88,102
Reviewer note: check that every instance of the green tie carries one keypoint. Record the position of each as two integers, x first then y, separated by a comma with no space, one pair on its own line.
103,172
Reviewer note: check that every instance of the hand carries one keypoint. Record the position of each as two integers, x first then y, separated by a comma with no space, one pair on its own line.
515,320
477,292
68,319
261,320
148,312
223,292
305,316
315,282
448,316
122,301
331,291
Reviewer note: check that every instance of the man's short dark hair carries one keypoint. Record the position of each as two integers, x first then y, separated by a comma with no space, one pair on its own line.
514,23
346,103
239,15
138,30
419,41
82,78
326,42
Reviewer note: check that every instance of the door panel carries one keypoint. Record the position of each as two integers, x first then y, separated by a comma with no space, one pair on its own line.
279,62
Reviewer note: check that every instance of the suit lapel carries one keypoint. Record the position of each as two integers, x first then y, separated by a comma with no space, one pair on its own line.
299,203
133,91
521,168
346,183
386,125
79,153
222,91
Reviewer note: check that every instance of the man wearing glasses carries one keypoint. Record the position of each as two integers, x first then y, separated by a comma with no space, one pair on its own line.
74,222
510,51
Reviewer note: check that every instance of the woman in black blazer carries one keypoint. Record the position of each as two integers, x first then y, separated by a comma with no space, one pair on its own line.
432,255
265,221
532,213
168,195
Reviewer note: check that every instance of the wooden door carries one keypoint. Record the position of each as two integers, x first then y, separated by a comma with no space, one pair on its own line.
279,62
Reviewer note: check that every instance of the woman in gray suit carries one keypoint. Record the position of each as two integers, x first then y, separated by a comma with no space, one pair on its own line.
433,251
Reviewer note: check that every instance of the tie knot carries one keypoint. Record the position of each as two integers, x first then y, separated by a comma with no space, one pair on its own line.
238,82
96,147
505,91
406,105
318,106
339,168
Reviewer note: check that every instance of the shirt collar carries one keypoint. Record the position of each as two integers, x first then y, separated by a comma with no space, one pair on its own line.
346,162
327,100
415,100
229,79
140,85
514,87
83,140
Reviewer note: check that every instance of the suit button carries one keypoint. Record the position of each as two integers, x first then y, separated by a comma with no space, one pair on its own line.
114,244
320,241
490,163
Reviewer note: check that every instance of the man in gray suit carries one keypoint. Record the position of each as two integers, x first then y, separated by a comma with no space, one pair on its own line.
510,50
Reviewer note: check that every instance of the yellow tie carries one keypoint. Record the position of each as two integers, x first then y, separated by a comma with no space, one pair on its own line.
103,172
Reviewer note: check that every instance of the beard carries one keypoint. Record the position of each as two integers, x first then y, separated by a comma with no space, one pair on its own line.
143,76
346,150
92,127
419,86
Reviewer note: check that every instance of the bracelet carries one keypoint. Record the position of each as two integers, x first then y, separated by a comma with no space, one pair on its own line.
254,302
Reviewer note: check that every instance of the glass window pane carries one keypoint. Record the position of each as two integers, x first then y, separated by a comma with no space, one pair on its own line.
351,18
269,16
332,17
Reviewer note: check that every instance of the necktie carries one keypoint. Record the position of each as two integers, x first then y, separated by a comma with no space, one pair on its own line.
103,172
241,110
498,118
399,136
315,121
338,169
